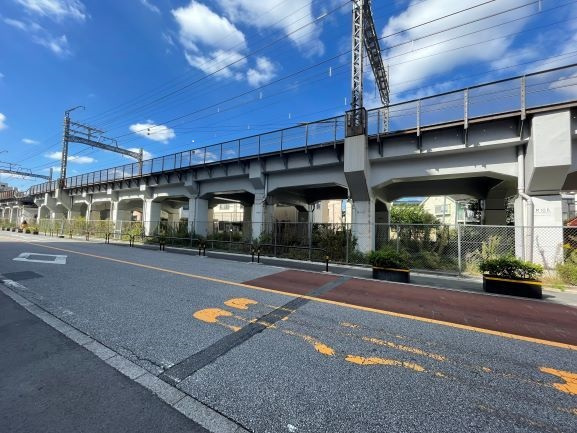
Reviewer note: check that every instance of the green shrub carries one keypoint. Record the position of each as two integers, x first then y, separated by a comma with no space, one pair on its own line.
333,240
434,261
389,258
568,273
511,267
568,270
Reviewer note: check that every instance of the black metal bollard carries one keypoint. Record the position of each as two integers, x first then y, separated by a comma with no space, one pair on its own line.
258,255
326,263
161,245
87,236
252,255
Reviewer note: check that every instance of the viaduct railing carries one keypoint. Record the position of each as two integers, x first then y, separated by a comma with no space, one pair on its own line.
512,95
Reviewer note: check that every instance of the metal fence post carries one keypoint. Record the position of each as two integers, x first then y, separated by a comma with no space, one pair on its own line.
275,230
459,251
347,235
310,235
398,236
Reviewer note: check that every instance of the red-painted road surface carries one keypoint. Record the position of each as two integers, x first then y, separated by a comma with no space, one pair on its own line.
529,318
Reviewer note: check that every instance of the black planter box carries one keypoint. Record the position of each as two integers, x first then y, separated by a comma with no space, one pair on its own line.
388,274
503,286
35,233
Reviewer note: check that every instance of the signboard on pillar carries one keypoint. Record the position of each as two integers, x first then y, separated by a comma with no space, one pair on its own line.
548,230
548,211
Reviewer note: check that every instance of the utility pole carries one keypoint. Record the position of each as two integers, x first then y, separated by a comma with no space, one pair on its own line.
75,132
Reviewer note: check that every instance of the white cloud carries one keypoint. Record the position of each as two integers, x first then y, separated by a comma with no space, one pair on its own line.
72,158
56,9
215,62
168,39
264,72
30,141
21,25
150,6
214,45
81,159
2,75
3,122
421,58
57,44
201,26
211,42
288,16
153,132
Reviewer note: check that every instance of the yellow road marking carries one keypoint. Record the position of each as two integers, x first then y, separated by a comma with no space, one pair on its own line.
240,303
319,347
404,348
211,315
570,379
360,360
326,301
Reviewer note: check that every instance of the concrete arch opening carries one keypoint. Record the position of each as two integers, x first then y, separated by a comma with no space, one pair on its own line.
228,215
100,210
79,210
43,212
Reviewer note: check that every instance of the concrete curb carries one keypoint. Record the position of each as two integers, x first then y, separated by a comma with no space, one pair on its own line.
193,409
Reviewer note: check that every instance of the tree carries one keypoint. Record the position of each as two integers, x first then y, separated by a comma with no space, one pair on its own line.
411,214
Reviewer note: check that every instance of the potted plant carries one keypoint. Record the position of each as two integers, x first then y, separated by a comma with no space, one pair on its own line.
391,265
34,230
509,275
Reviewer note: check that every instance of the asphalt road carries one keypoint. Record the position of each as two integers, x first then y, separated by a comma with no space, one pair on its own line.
274,362
50,384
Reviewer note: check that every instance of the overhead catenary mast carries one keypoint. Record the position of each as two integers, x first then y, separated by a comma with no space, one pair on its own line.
75,132
365,38
19,171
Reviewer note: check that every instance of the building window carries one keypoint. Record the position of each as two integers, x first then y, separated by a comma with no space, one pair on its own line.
224,206
442,209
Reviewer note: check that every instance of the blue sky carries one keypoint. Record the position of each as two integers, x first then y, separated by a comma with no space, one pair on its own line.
170,75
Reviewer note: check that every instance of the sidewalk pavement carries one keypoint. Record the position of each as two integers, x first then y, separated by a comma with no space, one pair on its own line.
51,384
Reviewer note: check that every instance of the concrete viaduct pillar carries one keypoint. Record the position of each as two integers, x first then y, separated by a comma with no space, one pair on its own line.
198,216
543,167
261,215
357,174
150,215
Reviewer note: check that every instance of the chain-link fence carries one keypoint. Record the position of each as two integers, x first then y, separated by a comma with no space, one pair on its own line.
455,249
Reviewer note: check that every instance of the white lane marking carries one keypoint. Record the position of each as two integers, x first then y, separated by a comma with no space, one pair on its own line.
53,259
13,284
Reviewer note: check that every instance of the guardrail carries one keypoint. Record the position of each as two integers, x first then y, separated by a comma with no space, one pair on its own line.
517,94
